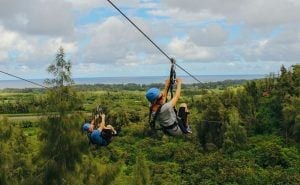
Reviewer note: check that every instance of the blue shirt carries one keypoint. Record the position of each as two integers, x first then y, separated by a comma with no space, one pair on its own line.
97,138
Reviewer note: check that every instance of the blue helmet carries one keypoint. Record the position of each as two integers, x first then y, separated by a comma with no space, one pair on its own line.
86,127
152,94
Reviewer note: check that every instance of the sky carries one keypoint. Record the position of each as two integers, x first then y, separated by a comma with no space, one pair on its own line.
214,37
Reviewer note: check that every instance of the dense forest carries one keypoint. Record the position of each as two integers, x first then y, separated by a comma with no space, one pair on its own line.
244,132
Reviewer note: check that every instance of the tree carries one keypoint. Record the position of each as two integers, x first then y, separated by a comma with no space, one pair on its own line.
141,171
291,114
246,108
5,158
296,79
15,166
59,131
269,114
235,136
213,114
252,90
61,70
285,81
228,98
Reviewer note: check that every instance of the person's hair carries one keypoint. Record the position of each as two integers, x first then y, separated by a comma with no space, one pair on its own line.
107,134
159,98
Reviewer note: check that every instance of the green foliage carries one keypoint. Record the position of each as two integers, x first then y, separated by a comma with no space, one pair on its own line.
247,109
141,171
5,134
62,143
268,115
269,151
291,115
54,151
209,128
270,155
13,103
211,107
5,129
235,136
119,117
61,70
15,167
253,91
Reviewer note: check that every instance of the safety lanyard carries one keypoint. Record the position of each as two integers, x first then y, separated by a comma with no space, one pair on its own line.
172,78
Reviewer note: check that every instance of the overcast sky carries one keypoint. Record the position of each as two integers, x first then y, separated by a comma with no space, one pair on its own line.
212,37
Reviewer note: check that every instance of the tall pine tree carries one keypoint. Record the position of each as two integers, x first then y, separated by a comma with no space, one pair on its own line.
62,143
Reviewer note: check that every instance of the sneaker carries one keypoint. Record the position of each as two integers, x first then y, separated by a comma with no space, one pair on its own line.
189,130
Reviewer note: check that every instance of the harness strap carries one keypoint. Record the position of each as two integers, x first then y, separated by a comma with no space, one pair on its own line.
152,120
170,126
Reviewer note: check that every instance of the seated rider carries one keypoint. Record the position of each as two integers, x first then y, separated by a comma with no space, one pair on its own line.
164,112
102,135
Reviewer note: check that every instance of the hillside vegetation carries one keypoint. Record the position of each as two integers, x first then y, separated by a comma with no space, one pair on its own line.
244,134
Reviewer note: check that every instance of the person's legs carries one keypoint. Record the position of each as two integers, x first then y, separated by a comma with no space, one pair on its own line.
112,128
183,114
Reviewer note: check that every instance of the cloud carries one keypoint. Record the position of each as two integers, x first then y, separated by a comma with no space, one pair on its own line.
182,15
36,17
12,41
205,32
115,40
254,13
88,68
83,5
281,47
290,35
186,50
212,35
31,51
269,13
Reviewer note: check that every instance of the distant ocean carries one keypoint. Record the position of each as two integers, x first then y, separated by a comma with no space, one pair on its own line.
126,80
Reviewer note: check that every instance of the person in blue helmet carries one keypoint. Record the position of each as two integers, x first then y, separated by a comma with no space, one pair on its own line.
102,135
89,127
164,113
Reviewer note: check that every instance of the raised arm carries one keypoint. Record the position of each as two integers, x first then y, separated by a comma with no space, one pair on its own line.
167,85
177,93
93,123
102,124
94,120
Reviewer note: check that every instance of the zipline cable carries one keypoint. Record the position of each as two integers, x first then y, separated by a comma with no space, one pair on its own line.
37,84
24,79
169,58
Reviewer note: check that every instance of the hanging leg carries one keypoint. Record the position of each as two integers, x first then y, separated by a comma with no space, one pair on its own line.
183,116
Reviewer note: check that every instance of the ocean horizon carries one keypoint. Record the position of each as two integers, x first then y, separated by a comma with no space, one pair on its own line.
20,84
